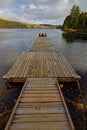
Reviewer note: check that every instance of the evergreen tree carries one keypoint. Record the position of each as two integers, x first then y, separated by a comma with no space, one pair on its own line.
76,20
75,12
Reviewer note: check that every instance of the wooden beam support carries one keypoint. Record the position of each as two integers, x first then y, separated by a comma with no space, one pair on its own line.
66,79
17,80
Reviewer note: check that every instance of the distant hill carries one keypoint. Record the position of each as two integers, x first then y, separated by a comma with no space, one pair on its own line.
6,23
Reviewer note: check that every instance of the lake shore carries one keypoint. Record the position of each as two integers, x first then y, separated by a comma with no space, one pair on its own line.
71,30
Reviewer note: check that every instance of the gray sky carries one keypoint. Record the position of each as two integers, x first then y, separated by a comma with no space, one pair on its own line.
39,11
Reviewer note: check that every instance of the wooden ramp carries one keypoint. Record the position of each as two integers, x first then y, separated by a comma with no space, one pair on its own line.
40,106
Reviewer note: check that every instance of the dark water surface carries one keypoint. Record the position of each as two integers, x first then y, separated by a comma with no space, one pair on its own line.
14,41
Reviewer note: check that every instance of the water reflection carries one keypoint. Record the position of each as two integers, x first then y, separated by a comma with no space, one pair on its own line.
71,37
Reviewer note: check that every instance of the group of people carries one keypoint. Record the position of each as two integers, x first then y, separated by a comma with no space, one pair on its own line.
42,35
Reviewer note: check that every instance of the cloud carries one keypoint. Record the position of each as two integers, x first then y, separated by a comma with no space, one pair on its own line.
32,7
39,11
6,3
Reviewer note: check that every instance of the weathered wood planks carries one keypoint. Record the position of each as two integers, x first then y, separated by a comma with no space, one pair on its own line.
41,44
41,61
41,65
39,111
41,105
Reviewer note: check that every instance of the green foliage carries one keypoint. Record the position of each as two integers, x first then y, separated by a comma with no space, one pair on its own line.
83,21
75,12
76,21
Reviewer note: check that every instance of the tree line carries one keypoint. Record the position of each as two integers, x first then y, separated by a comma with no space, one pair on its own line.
76,20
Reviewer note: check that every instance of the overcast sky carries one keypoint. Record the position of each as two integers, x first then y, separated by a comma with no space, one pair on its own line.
39,11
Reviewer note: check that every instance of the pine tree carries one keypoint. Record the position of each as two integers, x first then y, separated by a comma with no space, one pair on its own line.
75,11
72,21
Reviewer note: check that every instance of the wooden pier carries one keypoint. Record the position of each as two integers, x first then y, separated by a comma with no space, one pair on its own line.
41,105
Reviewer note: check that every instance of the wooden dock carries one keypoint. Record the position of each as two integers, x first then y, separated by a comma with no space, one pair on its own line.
41,104
41,61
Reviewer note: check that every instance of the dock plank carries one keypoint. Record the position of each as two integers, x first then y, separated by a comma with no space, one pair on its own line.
40,118
40,126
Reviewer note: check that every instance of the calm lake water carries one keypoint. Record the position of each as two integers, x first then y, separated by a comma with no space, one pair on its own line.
14,41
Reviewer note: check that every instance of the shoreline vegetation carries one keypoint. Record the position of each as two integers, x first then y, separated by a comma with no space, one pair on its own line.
6,23
76,21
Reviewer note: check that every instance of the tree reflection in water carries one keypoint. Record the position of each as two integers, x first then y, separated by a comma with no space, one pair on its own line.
71,37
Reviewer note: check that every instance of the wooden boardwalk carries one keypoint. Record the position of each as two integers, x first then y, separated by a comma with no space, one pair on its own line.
40,106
